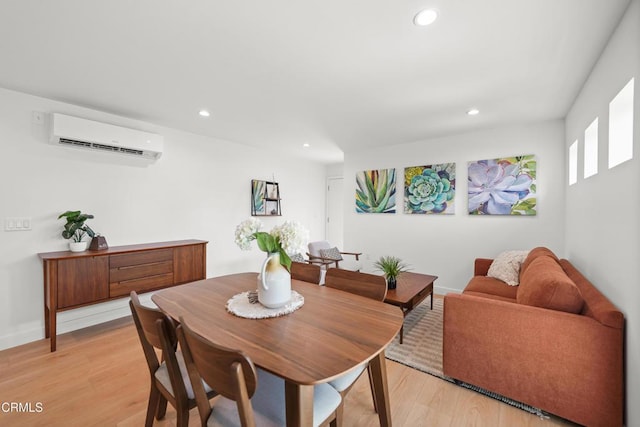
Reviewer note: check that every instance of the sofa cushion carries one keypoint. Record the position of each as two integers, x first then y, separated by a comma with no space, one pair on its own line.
506,267
490,296
545,284
491,286
533,254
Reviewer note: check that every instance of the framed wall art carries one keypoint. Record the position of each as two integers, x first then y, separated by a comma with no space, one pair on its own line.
265,198
430,189
376,191
503,186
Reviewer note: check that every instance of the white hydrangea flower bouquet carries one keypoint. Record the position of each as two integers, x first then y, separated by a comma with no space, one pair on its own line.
286,239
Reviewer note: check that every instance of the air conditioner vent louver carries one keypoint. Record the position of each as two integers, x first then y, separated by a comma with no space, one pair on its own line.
73,142
87,134
131,151
104,147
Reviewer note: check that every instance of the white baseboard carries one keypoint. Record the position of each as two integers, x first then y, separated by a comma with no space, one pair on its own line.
27,333
443,291
72,320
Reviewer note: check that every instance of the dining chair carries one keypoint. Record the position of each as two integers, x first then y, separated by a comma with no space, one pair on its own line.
370,286
247,393
323,251
306,272
169,377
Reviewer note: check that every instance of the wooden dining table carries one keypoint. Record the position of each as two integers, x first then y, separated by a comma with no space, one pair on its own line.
333,332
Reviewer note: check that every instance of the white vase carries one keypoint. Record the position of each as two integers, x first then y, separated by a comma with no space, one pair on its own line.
77,246
274,283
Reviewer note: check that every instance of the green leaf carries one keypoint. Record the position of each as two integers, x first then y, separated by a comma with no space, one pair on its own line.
382,188
69,214
266,242
285,260
89,231
371,192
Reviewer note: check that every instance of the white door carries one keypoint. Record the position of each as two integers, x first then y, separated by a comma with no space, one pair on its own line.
335,212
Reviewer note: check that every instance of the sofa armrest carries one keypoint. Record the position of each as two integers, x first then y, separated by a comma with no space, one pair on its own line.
567,364
481,266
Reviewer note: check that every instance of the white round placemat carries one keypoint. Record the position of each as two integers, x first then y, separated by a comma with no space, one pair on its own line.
240,306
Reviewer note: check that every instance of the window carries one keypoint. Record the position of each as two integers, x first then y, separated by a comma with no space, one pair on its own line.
621,126
573,163
591,149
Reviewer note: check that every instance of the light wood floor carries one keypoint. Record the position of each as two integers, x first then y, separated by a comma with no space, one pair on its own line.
98,377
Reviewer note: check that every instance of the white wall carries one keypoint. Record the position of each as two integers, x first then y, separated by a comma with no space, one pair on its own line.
602,227
446,245
335,169
199,189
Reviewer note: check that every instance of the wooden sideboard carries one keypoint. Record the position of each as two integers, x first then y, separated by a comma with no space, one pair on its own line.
77,279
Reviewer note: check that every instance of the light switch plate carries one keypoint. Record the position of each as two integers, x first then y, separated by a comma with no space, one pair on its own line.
17,224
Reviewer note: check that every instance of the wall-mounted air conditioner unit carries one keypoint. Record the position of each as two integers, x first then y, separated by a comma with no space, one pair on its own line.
81,133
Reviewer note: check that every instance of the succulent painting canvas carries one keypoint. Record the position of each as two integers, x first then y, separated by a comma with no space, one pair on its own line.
376,191
504,186
430,189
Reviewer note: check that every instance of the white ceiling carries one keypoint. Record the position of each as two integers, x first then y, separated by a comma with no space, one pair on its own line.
340,75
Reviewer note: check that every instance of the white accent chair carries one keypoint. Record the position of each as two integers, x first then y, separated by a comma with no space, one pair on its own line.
332,257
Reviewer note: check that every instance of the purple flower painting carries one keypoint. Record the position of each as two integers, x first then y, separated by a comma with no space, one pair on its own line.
504,186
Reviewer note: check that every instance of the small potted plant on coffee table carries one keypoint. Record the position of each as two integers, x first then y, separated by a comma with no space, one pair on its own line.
391,267
75,229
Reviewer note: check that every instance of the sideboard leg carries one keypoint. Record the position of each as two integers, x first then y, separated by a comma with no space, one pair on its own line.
47,332
52,328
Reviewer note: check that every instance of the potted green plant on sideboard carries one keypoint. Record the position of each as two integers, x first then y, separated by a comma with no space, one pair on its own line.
75,229
391,267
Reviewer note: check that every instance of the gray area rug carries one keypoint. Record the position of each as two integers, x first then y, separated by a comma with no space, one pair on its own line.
422,349
422,345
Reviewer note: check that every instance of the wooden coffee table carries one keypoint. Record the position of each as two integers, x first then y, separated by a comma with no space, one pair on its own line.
411,290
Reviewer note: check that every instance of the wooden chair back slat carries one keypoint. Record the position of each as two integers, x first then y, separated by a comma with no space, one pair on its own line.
146,318
368,285
157,330
306,272
230,372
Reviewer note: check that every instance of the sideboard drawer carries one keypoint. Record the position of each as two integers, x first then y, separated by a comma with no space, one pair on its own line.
139,271
148,257
140,285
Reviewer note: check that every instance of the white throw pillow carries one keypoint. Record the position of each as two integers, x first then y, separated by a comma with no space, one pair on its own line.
506,267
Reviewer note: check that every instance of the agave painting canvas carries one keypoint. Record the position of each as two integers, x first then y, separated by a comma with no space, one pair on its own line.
376,191
430,189
258,192
504,186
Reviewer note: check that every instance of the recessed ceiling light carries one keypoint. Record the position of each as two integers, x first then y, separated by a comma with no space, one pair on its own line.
204,113
473,112
425,17
306,145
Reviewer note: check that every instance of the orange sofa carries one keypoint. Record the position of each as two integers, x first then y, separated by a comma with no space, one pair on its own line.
554,342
